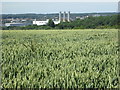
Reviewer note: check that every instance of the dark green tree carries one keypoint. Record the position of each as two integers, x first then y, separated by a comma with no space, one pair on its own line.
51,23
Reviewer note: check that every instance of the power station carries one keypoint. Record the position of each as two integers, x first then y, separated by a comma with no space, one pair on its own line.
66,17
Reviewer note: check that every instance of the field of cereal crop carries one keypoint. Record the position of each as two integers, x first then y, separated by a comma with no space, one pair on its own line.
60,58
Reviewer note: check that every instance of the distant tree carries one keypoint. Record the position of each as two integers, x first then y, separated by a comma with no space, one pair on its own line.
51,23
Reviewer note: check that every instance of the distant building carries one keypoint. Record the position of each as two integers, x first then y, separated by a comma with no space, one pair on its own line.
44,22
40,22
64,19
96,15
15,24
82,17
1,24
18,22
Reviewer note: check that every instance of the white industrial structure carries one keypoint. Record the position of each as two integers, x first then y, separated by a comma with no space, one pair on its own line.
64,19
60,16
69,16
40,22
64,16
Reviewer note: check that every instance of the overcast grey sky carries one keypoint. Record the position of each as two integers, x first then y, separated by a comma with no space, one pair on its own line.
54,7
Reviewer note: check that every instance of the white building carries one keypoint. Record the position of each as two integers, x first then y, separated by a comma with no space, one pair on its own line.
55,22
44,22
41,22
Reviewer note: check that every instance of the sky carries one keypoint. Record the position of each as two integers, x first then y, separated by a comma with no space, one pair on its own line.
54,7
60,0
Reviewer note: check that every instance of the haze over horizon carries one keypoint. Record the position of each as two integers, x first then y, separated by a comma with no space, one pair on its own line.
55,7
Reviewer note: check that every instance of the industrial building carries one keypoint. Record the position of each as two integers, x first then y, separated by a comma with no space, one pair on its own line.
15,24
64,19
18,22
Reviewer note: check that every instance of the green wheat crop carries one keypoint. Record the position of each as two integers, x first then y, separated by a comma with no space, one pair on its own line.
59,58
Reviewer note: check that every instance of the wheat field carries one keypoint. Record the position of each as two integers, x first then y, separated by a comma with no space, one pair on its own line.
59,58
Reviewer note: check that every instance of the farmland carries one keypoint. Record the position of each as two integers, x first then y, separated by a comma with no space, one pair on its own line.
60,58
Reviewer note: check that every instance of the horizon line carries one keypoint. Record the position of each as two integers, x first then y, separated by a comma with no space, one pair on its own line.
63,11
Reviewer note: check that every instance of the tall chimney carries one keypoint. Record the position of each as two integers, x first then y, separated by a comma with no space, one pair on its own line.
64,16
68,16
60,16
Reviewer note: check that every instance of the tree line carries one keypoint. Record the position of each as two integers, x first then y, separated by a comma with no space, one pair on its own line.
101,22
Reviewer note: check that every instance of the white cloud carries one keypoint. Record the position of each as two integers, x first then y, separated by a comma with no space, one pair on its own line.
60,0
